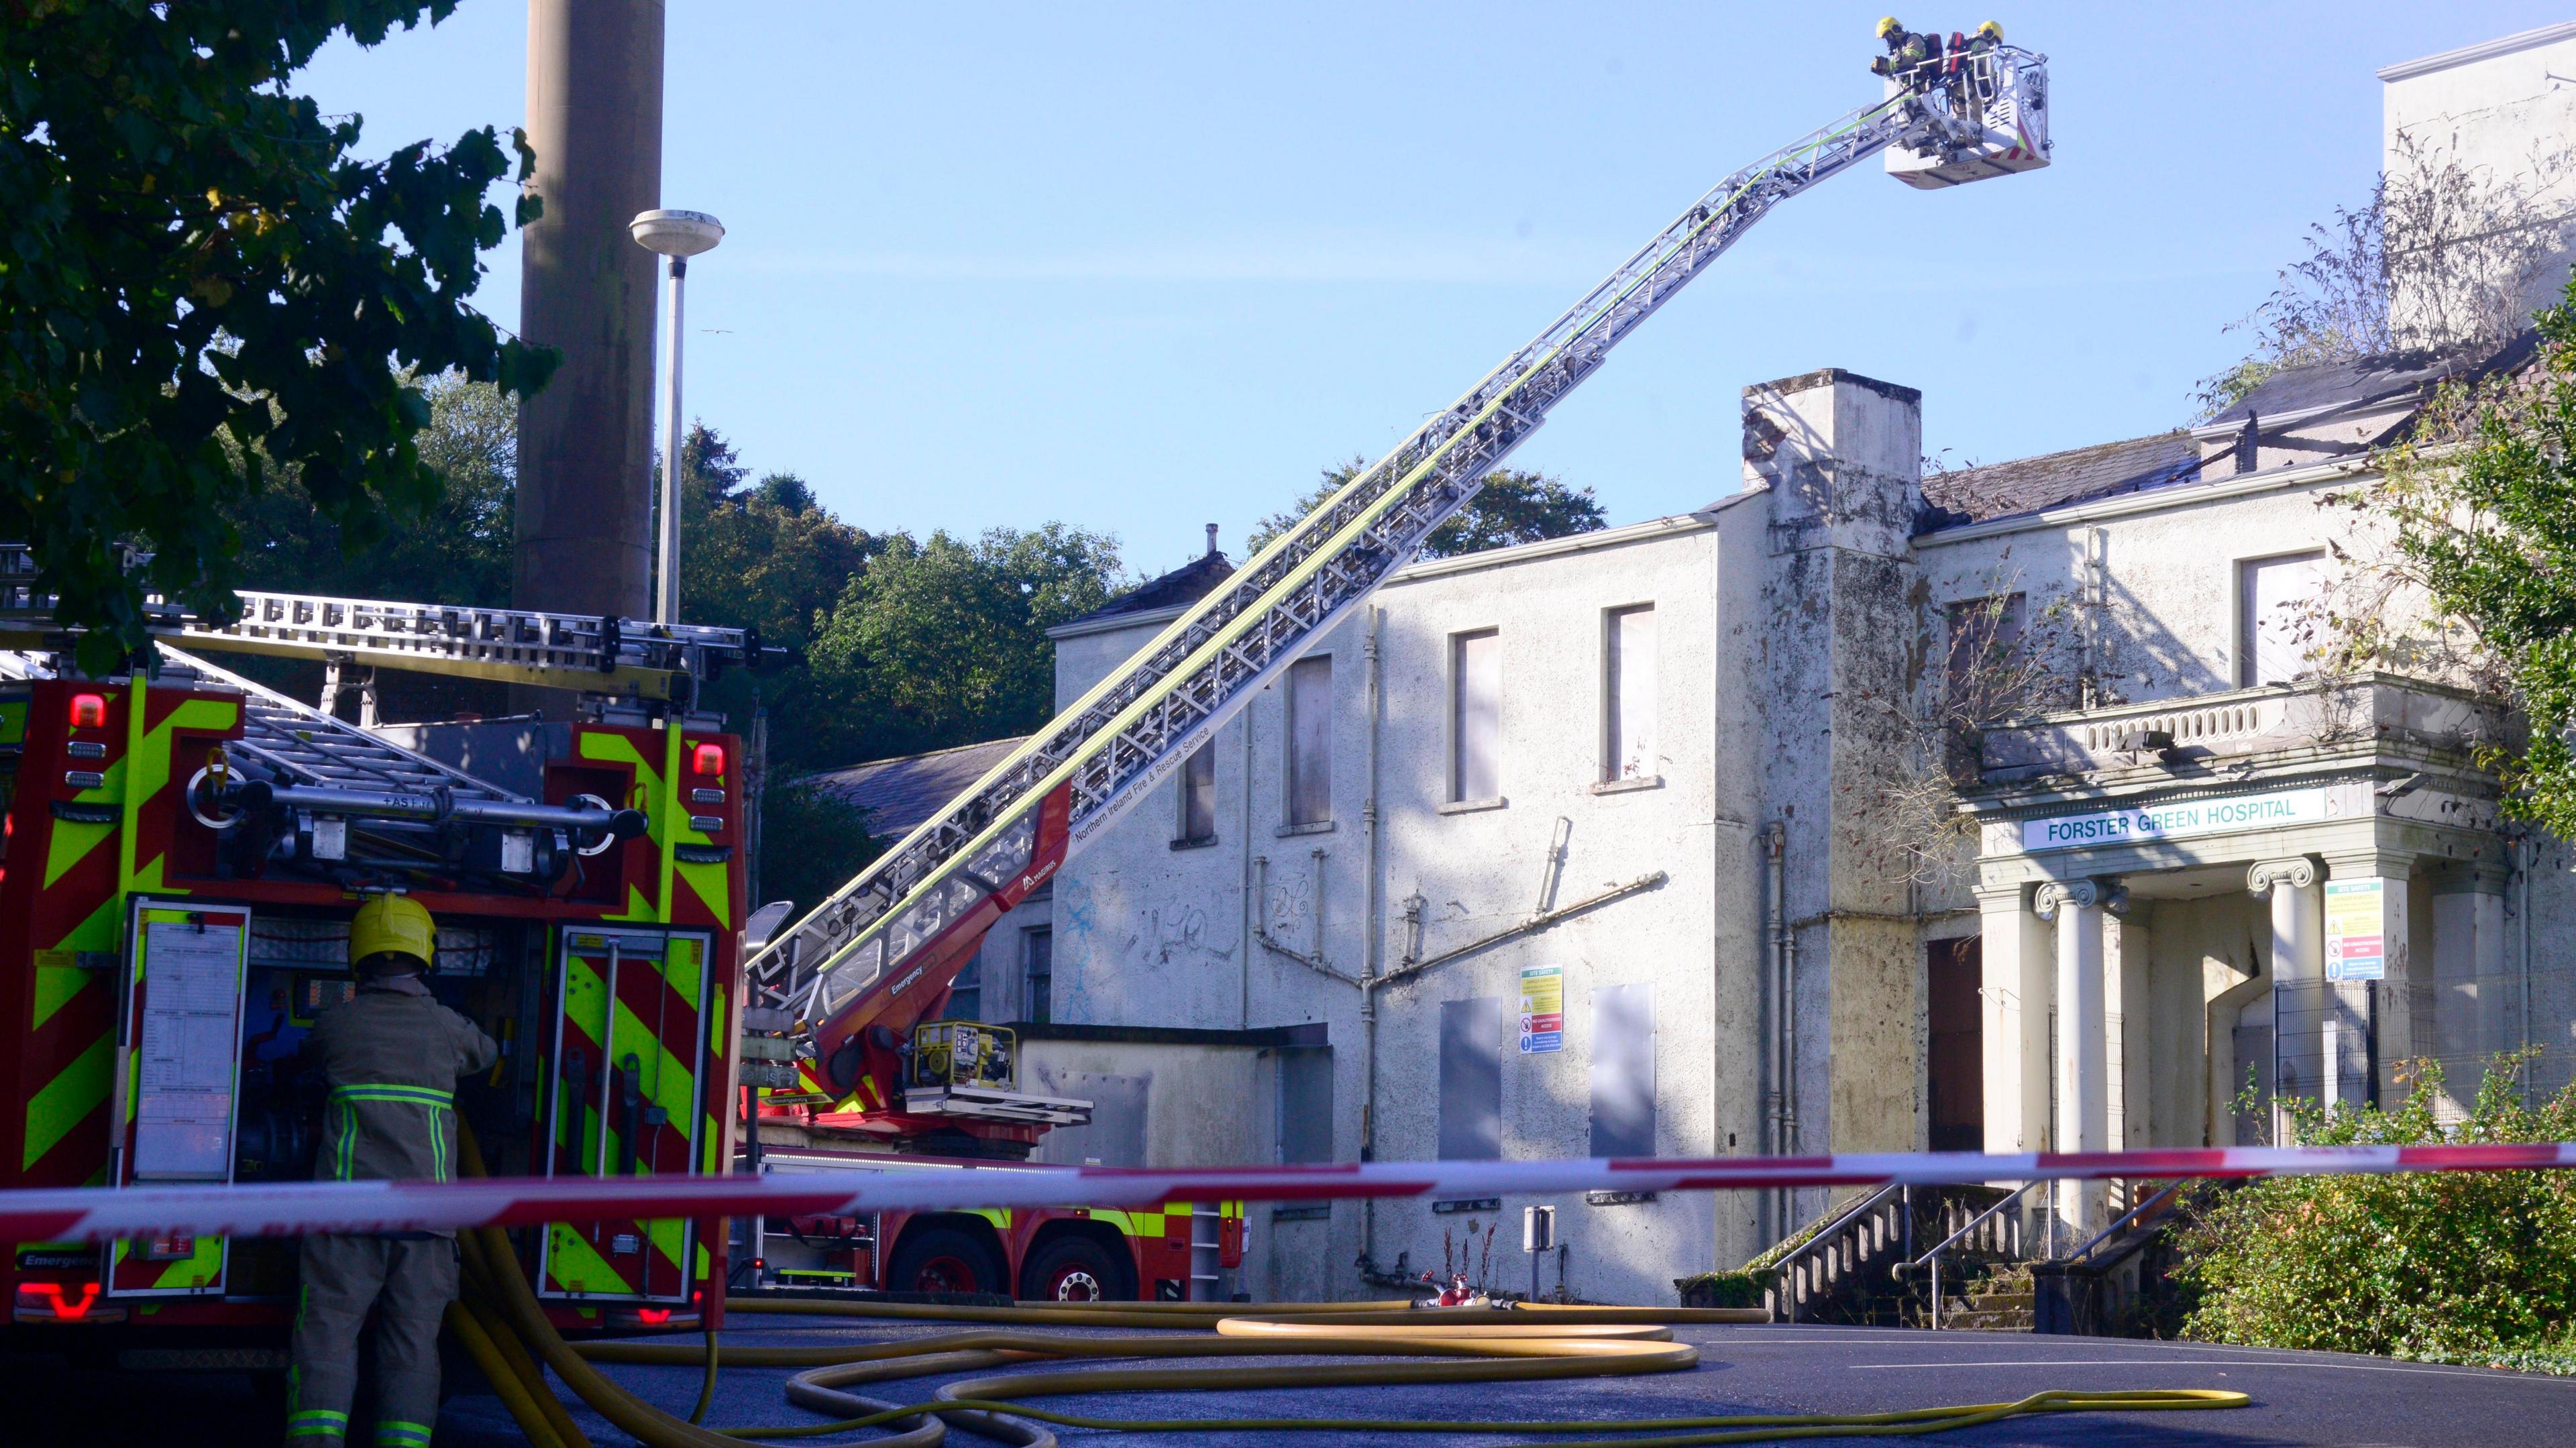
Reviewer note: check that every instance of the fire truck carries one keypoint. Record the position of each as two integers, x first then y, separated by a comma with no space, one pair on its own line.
182,849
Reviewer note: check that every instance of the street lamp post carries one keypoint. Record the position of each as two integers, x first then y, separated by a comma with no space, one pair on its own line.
678,235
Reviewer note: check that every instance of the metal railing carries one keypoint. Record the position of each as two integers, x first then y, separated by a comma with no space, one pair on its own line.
2082,1256
1806,1270
2008,1232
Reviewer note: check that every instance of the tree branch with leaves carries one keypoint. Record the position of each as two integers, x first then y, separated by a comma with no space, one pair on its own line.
204,293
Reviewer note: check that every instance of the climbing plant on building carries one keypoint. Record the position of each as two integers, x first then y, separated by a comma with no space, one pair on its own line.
2480,502
204,291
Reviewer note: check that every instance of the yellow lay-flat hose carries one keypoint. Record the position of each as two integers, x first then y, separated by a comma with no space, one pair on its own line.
1476,1345
514,1394
1545,1342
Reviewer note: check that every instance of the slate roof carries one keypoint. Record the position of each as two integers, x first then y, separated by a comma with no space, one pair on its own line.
2173,459
1188,583
2375,379
900,793
2026,485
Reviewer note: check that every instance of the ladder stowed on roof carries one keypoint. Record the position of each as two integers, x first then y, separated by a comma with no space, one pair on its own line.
597,654
1129,732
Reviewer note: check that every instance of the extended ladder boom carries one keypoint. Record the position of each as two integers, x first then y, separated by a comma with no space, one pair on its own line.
914,916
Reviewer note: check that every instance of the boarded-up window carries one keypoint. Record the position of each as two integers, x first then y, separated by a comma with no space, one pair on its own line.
1475,716
1305,1103
2273,594
1623,1070
1471,1079
966,996
1037,957
1198,797
1628,694
1985,652
1954,1062
1310,741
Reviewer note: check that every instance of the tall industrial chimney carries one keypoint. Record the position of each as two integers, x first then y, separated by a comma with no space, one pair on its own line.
587,290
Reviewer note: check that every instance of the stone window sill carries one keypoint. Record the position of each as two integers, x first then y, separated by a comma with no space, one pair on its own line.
1471,806
1628,786
1319,827
1194,842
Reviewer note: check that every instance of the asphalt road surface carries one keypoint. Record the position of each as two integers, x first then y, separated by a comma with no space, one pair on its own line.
2299,1398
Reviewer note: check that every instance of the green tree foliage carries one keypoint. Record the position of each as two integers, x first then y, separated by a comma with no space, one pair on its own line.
1512,507
759,555
2450,1266
2481,504
457,548
943,642
202,287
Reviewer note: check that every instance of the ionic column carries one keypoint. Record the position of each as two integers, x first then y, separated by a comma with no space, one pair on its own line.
2298,978
2083,1043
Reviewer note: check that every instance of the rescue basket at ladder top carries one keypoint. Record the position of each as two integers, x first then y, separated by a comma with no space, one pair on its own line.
1975,116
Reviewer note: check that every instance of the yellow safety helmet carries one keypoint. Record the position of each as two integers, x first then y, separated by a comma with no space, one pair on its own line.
396,925
1991,30
1888,24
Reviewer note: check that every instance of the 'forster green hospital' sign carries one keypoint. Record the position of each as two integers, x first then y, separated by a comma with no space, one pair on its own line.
2174,820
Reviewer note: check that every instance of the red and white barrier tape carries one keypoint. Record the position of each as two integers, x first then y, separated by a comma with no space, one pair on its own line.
294,1208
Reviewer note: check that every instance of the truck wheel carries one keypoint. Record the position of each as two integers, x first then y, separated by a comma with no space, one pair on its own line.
1075,1269
944,1259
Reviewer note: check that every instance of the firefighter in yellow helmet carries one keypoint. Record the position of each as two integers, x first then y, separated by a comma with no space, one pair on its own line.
391,1055
1907,54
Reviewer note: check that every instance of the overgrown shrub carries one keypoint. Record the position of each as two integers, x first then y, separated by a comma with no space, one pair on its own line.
2451,1266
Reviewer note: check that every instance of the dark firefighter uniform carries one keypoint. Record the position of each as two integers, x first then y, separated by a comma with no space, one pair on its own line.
391,1056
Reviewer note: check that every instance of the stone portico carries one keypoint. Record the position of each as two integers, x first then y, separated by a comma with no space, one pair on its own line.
2290,890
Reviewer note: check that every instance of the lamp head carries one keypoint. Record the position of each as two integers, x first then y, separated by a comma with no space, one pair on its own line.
676,233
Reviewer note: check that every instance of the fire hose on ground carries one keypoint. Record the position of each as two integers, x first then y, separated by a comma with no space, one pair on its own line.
505,1330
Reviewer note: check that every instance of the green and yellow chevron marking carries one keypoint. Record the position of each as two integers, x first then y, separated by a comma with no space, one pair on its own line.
68,1099
667,827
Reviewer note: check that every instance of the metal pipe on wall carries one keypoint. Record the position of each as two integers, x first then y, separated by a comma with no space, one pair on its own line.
1783,1052
1372,927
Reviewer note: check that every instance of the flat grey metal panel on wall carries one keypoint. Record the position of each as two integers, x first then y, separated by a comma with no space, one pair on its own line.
1116,1135
1471,1079
1623,1070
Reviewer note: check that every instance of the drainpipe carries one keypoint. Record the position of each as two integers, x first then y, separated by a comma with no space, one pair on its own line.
1251,903
1783,1053
1372,928
2522,852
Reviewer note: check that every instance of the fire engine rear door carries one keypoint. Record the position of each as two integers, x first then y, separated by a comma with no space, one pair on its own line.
627,1099
177,1079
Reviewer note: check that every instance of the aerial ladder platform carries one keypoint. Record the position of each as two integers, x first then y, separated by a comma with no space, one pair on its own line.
859,970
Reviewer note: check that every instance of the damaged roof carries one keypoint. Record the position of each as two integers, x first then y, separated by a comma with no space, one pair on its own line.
2354,387
2363,380
1186,584
899,794
2027,485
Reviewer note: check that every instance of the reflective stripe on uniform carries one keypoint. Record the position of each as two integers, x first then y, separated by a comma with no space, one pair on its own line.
430,1097
393,1433
317,1423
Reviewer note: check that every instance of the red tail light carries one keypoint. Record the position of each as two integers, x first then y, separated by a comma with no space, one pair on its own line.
63,1302
707,759
89,711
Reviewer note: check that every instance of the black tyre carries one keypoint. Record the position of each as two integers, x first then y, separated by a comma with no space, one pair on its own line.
1076,1269
945,1259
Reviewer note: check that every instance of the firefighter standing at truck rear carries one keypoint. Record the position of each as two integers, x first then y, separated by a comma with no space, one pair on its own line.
391,1056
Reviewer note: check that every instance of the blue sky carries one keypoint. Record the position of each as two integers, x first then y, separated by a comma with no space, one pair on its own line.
1143,268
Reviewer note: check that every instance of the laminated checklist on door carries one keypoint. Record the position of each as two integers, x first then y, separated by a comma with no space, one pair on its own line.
185,1057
